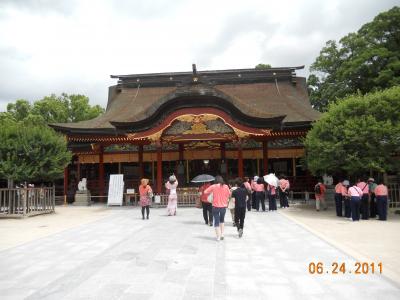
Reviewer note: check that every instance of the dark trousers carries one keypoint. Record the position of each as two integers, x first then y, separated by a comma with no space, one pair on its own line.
248,203
281,198
253,200
347,207
285,199
372,206
147,207
260,198
207,212
338,203
381,203
364,207
240,214
272,202
355,203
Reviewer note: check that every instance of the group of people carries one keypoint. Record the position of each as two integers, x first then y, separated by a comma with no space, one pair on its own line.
146,195
215,198
365,199
240,195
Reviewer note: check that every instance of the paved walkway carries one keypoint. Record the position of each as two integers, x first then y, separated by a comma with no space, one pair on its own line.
366,240
120,256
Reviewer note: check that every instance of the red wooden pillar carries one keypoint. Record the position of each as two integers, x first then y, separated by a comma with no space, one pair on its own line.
140,160
181,149
223,151
101,171
223,157
65,184
240,160
159,168
180,169
78,170
265,157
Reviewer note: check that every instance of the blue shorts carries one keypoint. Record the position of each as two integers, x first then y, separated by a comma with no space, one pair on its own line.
219,215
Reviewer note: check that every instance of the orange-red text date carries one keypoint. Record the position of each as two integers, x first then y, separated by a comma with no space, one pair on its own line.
335,268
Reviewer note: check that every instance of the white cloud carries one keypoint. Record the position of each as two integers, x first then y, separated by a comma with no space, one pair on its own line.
73,46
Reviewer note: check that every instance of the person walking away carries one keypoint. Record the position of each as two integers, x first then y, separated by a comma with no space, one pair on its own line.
231,202
258,187
364,199
320,191
206,204
171,185
372,203
339,199
284,186
381,192
248,188
355,194
271,192
241,197
346,199
146,193
221,195
253,193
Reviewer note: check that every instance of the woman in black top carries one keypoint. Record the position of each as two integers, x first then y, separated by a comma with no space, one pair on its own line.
241,197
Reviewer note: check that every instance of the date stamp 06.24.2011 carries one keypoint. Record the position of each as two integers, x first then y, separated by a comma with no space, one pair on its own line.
336,268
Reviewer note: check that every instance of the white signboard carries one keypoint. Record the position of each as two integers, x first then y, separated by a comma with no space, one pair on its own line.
115,189
130,191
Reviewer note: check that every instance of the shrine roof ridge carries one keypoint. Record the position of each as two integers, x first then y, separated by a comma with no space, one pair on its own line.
213,76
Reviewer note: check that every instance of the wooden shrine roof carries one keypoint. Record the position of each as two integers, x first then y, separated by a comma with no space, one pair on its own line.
254,97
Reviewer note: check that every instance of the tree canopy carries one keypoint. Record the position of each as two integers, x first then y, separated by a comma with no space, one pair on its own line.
29,149
364,61
357,134
263,66
33,153
55,109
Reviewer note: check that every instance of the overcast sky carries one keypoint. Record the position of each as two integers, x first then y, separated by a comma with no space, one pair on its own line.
73,46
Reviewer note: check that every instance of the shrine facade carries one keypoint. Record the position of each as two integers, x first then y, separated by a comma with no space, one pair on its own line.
236,123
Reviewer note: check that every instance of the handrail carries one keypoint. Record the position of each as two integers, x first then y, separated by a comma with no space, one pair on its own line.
21,202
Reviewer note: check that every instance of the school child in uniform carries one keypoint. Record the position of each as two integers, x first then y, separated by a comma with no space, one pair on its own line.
381,192
320,191
355,194
339,199
346,199
364,199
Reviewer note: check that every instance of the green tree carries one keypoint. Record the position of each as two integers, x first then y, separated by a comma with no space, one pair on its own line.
365,61
357,134
20,109
263,66
31,152
55,109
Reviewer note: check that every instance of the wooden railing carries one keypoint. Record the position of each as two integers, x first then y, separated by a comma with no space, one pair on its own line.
161,200
22,202
394,195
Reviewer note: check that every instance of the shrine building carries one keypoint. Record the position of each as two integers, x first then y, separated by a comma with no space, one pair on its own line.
240,122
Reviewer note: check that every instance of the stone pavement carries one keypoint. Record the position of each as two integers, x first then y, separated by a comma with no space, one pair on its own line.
366,240
121,256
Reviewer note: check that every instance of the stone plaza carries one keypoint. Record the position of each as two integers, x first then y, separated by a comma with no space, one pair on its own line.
117,255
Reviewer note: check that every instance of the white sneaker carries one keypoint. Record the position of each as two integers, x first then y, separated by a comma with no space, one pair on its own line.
218,239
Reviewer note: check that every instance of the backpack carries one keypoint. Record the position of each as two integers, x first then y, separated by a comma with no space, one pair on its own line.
317,189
